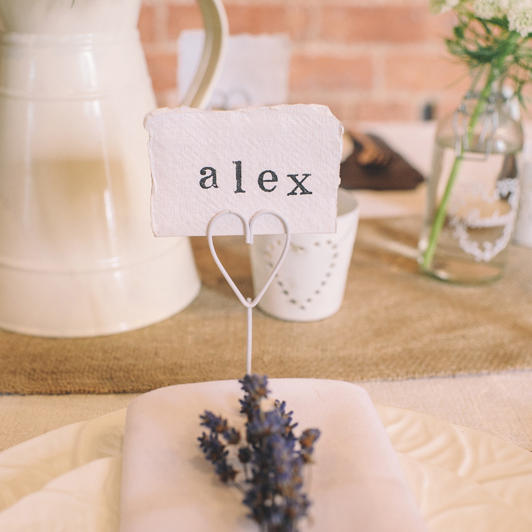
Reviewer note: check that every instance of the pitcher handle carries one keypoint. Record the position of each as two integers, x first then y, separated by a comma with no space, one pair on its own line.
209,69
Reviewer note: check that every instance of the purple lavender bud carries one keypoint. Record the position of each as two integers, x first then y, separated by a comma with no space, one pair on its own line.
273,458
255,386
232,436
308,437
225,472
214,423
244,455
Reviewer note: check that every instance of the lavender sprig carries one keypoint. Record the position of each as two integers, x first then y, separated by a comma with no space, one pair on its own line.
272,458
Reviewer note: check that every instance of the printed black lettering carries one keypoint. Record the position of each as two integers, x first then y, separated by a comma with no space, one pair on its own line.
299,185
238,171
212,175
272,180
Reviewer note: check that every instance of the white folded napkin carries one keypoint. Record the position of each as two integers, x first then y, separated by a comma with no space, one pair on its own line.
356,482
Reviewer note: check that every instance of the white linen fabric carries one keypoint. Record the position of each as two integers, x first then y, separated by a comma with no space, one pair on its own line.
462,479
357,482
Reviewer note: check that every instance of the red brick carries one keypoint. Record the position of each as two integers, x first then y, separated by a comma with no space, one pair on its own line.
162,67
256,19
146,24
383,110
424,72
387,24
299,21
440,27
331,73
183,17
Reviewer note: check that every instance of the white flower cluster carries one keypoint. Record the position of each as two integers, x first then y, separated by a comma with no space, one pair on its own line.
489,8
520,16
518,12
442,6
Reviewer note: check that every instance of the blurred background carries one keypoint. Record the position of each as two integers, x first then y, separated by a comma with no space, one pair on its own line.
368,60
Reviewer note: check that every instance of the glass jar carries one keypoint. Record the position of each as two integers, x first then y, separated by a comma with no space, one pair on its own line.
473,191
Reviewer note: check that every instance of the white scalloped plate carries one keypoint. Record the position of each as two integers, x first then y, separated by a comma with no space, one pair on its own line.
463,480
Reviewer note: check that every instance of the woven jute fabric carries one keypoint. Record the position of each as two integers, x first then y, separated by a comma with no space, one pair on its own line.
395,323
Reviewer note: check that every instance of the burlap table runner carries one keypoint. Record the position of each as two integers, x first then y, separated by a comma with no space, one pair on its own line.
394,324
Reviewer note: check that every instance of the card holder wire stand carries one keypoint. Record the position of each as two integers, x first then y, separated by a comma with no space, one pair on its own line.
248,303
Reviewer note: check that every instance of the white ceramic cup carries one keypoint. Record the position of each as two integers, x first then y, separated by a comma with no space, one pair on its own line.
311,282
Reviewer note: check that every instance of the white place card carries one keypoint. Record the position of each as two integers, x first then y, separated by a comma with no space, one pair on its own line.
284,159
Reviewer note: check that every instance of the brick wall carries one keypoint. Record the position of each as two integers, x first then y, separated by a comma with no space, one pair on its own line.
365,59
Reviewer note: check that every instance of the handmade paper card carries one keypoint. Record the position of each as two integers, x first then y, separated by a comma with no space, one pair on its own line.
284,159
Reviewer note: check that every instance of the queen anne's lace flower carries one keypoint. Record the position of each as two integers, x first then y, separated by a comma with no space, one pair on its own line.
489,8
442,6
520,16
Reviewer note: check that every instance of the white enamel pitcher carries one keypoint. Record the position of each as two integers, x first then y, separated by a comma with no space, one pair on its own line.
77,254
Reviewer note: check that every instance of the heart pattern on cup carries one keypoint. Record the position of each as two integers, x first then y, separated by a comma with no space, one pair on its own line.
324,279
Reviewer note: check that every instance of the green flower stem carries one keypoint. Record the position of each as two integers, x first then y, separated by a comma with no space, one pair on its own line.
441,213
439,219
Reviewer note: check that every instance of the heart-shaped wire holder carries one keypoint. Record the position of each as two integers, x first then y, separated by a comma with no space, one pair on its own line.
248,303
